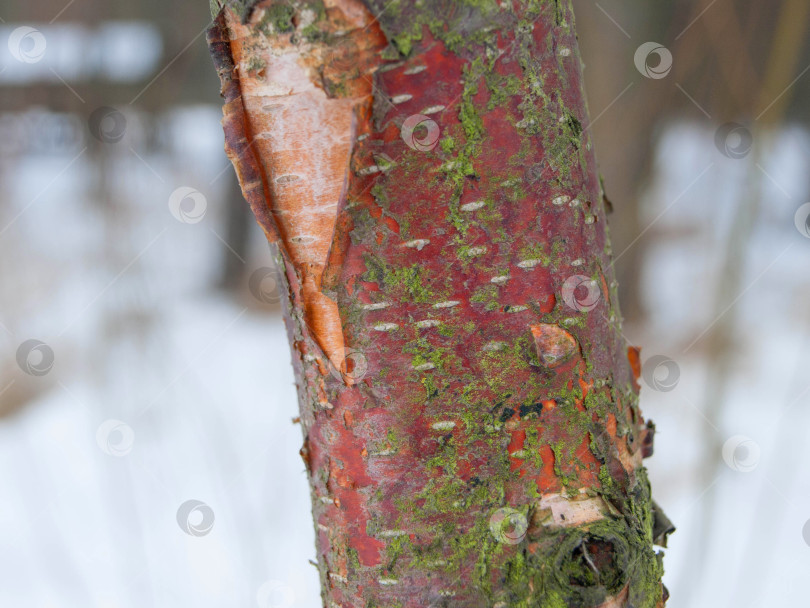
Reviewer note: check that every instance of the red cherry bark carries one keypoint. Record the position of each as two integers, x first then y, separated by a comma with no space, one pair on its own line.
469,407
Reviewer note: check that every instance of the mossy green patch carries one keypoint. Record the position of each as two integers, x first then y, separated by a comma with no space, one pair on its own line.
278,18
486,295
406,282
498,365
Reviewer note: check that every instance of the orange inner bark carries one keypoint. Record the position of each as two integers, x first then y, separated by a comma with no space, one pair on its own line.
303,136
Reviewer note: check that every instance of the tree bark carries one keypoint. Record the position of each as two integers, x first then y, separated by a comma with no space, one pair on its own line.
469,407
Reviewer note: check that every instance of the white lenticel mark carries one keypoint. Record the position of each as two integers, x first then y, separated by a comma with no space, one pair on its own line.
433,109
529,263
385,326
519,308
376,306
417,243
424,367
472,206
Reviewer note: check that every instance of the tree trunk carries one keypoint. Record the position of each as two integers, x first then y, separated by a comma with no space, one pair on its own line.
469,407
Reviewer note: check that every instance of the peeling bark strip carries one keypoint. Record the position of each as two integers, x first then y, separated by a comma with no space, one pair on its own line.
470,414
293,106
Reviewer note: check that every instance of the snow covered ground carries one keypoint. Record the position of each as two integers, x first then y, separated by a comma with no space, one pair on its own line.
164,390
755,486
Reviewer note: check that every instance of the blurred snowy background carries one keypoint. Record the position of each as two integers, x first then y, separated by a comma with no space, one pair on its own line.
147,451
